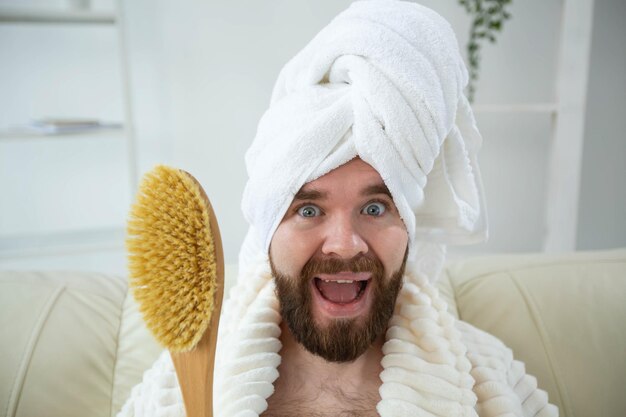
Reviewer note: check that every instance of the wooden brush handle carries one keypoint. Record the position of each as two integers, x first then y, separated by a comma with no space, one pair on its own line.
195,373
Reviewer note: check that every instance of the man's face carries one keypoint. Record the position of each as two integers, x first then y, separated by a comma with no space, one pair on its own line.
338,258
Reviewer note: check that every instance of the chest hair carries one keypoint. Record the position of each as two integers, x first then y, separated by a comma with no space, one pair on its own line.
335,403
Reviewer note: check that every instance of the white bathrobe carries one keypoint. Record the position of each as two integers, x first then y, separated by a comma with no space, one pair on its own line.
434,365
383,81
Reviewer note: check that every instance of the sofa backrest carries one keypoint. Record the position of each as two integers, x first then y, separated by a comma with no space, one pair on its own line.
73,343
564,316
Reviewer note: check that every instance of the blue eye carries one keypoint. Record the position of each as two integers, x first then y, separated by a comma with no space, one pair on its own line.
309,211
374,209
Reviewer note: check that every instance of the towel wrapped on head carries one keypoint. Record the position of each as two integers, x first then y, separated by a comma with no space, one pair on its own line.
383,81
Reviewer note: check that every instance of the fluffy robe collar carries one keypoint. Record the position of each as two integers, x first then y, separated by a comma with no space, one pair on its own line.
427,368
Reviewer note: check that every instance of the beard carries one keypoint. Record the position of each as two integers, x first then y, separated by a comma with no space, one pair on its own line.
343,339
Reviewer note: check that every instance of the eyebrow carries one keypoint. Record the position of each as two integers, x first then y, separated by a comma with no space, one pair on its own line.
376,189
313,194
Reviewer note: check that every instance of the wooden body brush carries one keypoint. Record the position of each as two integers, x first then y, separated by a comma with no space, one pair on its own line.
176,267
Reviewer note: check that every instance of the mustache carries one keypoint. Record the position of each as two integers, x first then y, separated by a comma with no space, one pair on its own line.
359,263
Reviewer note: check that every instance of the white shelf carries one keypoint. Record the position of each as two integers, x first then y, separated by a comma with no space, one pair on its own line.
61,243
19,135
23,15
100,247
550,108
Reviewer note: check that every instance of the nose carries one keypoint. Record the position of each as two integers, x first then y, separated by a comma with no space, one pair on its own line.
342,239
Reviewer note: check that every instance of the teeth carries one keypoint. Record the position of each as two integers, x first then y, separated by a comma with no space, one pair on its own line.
340,281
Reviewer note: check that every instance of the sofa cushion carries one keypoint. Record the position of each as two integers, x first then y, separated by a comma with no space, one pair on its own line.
563,315
61,349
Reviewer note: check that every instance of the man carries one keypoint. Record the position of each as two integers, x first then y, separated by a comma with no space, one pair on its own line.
338,258
363,168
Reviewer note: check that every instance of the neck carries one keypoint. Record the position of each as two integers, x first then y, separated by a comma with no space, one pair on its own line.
303,372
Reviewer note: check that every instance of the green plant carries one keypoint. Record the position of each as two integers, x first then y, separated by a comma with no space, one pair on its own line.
488,19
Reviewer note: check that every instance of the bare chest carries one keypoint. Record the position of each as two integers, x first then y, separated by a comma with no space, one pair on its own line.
323,404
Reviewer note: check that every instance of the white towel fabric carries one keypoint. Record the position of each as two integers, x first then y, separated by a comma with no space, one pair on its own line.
384,81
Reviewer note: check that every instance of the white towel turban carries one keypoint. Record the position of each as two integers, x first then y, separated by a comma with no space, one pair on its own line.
383,81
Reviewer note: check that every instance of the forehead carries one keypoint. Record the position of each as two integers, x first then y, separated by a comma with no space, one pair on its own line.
353,176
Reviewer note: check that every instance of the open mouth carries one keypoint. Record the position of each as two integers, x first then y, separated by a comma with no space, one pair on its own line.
341,291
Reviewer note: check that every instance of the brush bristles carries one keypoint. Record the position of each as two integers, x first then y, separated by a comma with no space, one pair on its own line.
172,258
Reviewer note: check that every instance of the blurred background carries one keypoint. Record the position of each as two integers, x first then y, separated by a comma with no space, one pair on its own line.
93,93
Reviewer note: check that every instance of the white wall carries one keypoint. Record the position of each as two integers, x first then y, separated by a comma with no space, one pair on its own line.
219,60
202,74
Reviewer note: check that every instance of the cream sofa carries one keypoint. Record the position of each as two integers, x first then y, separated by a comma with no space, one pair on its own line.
73,344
